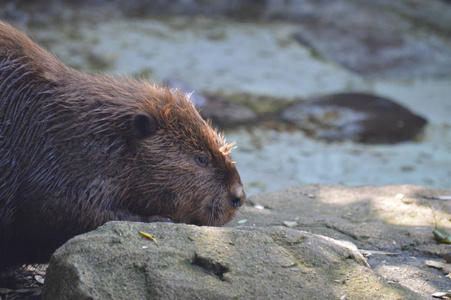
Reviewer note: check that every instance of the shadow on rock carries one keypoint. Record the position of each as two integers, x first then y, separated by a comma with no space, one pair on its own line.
392,223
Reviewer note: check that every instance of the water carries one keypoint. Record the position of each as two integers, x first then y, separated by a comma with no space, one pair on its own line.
223,56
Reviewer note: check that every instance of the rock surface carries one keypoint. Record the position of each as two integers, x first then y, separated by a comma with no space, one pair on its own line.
394,223
189,262
256,257
226,113
390,218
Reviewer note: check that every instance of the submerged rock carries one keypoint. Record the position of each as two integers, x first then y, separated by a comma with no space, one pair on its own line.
225,113
358,117
190,262
220,111
374,53
196,97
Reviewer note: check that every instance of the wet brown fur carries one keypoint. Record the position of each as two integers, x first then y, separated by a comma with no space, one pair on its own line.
70,158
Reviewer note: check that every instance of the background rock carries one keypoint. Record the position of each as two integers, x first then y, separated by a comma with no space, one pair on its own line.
190,262
221,112
394,223
390,218
225,113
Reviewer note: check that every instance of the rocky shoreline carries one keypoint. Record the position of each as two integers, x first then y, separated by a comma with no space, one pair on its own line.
253,62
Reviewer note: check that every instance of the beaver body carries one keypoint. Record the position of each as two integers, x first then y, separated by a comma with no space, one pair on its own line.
78,150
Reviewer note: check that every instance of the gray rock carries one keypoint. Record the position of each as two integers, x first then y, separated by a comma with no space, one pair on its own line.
224,113
368,216
394,223
221,112
190,262
358,117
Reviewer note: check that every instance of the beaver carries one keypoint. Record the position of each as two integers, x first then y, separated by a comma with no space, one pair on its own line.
78,150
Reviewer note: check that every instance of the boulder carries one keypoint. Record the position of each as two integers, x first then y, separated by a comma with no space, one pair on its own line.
276,247
190,262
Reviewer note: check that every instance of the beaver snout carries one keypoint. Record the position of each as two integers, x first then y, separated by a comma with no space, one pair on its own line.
238,195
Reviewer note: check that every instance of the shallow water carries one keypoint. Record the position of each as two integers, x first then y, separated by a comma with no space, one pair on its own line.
222,56
270,160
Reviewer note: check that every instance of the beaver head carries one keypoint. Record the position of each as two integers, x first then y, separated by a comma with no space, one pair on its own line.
181,167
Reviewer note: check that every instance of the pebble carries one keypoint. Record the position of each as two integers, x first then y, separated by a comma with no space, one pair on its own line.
290,224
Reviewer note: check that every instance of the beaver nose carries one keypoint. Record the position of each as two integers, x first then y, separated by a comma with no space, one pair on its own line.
238,194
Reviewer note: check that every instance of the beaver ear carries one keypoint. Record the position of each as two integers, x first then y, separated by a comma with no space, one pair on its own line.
144,125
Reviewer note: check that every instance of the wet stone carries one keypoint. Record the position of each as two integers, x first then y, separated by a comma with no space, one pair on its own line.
357,117
221,112
224,113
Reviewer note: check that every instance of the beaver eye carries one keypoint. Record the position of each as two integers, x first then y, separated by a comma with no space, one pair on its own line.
201,160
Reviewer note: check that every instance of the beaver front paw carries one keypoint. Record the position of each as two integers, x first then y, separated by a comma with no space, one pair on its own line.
159,219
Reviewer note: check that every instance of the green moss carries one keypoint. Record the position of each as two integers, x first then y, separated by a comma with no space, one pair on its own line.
256,184
144,74
260,104
97,63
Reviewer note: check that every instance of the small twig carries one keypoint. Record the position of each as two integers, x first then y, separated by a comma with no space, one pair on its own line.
437,197
370,252
150,237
